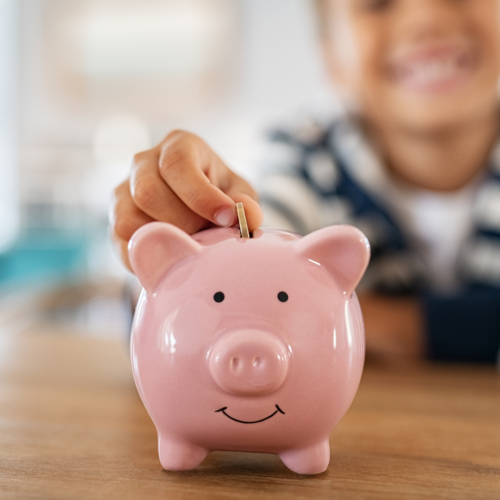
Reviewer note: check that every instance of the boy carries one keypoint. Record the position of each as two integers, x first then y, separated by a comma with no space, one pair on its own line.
413,163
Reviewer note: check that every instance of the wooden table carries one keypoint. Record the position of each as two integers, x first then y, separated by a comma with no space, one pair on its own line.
72,426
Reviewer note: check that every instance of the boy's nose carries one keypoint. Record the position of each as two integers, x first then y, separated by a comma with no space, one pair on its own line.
427,18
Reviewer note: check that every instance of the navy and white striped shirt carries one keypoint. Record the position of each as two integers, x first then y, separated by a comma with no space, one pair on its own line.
322,175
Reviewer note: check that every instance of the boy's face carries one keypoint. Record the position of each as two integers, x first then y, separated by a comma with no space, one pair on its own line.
424,65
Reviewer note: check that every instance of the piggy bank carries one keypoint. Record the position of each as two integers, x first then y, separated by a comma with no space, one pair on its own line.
252,345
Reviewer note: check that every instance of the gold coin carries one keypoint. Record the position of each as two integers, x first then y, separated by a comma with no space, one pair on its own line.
242,220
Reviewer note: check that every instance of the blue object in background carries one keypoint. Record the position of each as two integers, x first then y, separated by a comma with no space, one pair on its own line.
45,255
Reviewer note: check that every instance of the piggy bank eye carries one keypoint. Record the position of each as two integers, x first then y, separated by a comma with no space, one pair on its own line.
282,296
219,297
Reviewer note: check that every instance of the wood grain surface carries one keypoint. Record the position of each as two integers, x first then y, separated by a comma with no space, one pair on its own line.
72,426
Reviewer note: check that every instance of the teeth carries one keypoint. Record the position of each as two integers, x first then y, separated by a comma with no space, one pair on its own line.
432,71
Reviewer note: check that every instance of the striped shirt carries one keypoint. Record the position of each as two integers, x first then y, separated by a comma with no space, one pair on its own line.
321,175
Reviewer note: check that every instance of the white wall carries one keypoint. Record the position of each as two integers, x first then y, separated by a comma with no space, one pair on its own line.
9,213
281,78
283,70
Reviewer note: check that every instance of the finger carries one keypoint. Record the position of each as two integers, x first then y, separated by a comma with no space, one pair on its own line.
156,199
121,248
125,217
194,172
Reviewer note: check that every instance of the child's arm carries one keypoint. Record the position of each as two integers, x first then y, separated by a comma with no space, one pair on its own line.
464,326
183,182
394,326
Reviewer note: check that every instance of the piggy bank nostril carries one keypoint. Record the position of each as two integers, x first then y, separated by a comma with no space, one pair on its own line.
235,363
256,362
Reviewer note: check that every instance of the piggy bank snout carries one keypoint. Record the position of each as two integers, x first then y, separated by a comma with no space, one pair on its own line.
249,362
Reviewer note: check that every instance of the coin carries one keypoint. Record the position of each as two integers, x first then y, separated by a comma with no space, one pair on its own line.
242,220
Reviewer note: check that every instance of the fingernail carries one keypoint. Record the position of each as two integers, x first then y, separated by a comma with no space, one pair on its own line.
225,217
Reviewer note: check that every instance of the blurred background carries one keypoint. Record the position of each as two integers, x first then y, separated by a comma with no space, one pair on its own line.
84,84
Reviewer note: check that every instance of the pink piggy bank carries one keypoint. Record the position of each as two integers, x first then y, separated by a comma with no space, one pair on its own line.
252,345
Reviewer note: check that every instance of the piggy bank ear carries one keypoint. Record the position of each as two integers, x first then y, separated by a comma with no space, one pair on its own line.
157,247
343,250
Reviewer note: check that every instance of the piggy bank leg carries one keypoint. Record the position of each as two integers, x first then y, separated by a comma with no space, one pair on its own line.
178,455
311,460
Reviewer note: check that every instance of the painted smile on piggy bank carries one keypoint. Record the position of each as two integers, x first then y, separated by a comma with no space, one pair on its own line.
223,410
231,325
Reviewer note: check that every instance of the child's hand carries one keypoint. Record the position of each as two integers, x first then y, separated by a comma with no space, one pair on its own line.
183,182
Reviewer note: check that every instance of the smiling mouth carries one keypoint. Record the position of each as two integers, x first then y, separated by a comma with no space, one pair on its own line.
434,72
223,410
